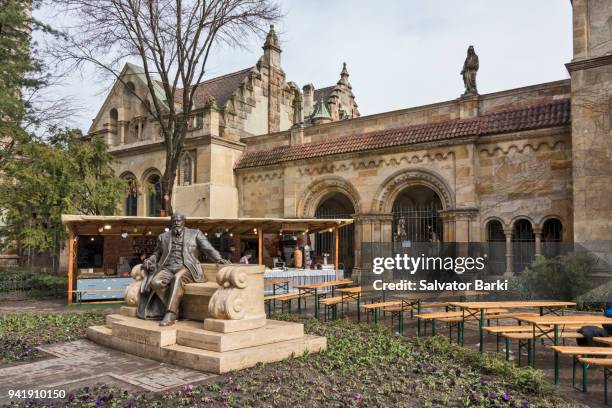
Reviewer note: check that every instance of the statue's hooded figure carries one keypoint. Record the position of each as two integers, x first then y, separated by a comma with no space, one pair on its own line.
173,264
470,67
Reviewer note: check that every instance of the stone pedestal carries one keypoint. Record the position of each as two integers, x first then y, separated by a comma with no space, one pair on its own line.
235,333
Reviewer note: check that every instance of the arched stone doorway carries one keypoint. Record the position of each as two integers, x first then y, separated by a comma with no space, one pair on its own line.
337,205
416,215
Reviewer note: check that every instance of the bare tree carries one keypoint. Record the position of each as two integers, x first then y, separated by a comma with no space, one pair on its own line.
172,40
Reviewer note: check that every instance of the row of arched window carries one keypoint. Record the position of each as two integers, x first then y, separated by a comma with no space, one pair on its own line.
524,246
153,187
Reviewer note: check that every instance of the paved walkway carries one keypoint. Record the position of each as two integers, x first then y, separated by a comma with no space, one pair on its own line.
83,363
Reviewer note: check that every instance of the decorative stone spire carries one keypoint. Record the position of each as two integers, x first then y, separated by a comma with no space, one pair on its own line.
344,76
271,49
271,39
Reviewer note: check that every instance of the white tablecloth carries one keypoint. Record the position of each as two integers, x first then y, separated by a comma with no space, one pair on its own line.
303,277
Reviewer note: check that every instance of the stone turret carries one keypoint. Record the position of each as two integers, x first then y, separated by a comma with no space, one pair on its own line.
308,99
321,114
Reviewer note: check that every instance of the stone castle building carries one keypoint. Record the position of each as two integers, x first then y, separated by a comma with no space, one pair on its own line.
527,165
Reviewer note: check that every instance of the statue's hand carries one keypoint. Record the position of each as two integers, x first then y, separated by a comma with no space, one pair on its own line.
149,265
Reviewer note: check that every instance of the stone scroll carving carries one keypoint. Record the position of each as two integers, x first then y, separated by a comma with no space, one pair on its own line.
228,302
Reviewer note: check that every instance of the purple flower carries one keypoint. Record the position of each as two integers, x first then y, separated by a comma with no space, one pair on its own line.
506,396
458,372
525,405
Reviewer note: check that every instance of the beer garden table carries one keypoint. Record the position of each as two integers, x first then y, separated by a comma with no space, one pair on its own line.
314,288
410,300
539,324
478,309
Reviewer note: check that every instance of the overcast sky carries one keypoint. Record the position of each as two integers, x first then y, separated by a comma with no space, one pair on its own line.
399,54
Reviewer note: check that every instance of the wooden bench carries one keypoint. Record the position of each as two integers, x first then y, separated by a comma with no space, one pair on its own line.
331,304
375,308
525,340
579,356
453,319
284,298
605,363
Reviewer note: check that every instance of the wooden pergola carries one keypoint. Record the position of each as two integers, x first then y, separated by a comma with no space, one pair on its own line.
153,226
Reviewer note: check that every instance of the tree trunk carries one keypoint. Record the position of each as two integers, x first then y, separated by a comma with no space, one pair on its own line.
167,191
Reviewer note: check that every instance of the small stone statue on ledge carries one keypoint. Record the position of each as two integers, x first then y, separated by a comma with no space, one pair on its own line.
470,68
173,264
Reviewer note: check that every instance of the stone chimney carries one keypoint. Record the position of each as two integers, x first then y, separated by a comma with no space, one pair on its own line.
211,117
308,99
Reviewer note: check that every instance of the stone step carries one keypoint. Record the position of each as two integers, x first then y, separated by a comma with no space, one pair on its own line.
218,363
147,332
273,331
100,334
113,318
237,350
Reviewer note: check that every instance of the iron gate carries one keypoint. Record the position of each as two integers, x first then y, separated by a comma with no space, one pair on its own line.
417,222
324,242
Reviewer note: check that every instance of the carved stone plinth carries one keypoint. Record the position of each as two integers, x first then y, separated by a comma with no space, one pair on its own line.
235,333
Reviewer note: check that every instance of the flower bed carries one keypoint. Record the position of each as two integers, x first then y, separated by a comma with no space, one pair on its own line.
363,366
21,333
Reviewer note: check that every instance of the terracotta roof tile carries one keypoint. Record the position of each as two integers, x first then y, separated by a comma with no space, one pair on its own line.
532,117
221,88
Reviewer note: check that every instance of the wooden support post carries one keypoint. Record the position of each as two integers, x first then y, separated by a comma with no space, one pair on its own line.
70,263
336,248
260,244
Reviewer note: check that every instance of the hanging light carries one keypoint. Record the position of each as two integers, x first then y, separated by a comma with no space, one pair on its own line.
100,229
231,234
107,226
166,229
92,239
255,230
124,234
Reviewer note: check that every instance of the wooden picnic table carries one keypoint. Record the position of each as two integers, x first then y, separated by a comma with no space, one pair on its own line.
604,340
539,324
473,308
314,288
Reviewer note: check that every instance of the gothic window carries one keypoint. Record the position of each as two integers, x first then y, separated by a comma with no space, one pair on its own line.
154,195
131,199
187,169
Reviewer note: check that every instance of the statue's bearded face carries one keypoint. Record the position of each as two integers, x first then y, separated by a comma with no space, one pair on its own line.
178,223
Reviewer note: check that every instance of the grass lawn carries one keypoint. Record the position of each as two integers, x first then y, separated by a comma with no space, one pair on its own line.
364,365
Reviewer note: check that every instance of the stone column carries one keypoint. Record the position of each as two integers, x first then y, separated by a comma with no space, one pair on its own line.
509,252
122,125
537,232
459,225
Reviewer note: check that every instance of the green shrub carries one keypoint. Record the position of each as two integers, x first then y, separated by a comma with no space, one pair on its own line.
594,299
559,278
36,284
